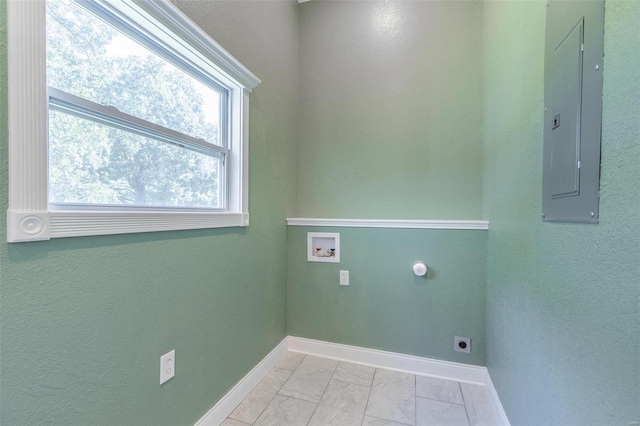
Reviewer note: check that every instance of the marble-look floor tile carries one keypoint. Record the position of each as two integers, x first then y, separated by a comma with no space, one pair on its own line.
290,361
374,421
342,404
310,379
479,408
354,373
438,389
438,413
393,397
255,403
232,422
286,411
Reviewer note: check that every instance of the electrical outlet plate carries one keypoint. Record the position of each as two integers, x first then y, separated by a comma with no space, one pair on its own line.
167,366
344,277
462,344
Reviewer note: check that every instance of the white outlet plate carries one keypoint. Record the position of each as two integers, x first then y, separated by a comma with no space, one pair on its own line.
167,366
456,344
344,277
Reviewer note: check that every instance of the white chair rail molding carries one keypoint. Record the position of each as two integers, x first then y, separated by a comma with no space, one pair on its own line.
390,223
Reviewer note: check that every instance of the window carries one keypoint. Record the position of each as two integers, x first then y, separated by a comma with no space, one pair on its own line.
135,122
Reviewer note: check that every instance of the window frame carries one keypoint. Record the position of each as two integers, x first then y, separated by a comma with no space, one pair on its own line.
30,217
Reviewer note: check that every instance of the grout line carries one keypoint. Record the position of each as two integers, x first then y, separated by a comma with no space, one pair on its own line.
299,362
353,363
301,400
465,404
266,406
323,392
369,396
291,375
314,411
278,392
351,383
304,400
439,400
415,399
239,421
391,420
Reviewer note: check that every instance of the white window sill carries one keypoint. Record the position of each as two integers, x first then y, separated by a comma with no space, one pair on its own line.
45,225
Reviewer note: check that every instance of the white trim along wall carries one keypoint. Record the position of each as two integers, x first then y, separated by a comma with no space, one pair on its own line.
390,223
372,357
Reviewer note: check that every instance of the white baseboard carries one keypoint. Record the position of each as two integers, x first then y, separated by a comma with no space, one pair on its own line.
495,401
216,415
372,357
390,360
401,362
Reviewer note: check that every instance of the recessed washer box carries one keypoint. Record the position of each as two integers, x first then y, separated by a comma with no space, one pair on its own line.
323,247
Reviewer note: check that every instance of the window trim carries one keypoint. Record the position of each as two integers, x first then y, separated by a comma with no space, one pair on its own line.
29,216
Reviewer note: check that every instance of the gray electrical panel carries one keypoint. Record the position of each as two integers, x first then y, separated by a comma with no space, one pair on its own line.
574,49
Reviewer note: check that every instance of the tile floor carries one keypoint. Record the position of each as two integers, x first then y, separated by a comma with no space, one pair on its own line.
307,390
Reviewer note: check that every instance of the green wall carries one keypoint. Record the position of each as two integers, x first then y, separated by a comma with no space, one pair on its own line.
390,110
390,127
85,320
422,110
385,305
563,321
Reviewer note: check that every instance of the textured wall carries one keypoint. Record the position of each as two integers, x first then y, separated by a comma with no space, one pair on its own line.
386,306
390,104
85,320
390,127
390,107
563,318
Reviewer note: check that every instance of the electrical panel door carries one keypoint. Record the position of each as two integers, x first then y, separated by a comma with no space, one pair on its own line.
573,109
